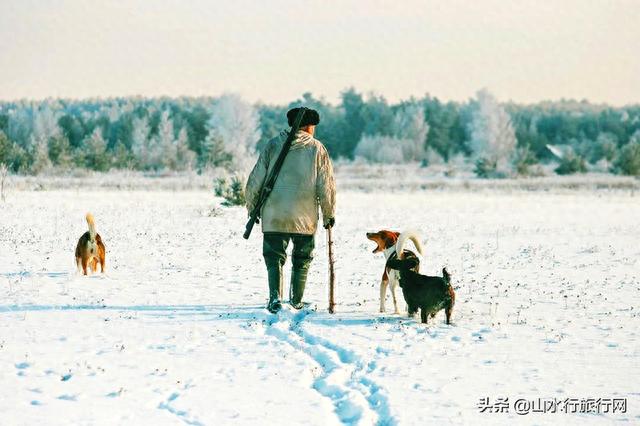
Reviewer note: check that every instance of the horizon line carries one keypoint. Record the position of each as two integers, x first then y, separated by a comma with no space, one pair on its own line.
365,93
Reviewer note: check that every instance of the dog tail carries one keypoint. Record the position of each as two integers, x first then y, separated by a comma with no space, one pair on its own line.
92,226
446,276
402,241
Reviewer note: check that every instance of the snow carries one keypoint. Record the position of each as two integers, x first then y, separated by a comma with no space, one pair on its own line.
176,332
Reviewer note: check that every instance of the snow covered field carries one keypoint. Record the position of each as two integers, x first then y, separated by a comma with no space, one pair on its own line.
548,294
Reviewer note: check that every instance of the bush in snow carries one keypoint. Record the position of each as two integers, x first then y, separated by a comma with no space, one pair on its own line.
232,190
571,163
524,160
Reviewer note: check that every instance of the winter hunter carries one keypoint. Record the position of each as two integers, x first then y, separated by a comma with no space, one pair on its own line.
304,183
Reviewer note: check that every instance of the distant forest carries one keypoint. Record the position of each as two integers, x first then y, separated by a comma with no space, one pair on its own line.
177,134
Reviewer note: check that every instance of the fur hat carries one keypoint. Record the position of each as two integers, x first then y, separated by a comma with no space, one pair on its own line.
311,117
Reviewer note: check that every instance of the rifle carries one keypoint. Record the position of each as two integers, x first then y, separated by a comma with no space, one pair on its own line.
271,179
332,276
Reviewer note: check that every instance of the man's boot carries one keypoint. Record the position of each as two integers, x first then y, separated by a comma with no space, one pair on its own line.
275,279
298,282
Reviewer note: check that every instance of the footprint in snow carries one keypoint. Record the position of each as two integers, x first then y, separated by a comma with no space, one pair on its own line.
67,397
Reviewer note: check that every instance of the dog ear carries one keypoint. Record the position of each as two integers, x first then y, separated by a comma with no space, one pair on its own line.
391,238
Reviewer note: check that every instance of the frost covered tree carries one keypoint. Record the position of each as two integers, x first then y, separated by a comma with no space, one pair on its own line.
164,151
234,129
94,151
185,158
140,142
628,160
492,137
60,151
381,149
45,123
410,126
406,143
39,151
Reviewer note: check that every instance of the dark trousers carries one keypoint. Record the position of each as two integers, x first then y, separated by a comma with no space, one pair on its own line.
274,249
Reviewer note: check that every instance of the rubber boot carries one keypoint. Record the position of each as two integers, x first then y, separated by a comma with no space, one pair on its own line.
298,282
275,282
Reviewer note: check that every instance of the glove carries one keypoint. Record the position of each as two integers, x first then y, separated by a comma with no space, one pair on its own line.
328,223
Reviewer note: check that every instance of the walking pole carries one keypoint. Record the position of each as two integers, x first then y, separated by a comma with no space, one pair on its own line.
332,276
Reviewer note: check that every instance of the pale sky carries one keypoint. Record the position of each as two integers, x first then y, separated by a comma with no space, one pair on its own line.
275,50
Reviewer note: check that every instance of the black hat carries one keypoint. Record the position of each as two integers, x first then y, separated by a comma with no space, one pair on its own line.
311,117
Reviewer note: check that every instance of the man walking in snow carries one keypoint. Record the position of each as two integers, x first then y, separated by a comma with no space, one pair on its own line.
304,183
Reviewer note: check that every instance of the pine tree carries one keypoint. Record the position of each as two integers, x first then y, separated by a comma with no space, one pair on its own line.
95,151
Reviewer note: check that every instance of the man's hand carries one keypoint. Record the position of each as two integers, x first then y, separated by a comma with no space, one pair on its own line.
328,223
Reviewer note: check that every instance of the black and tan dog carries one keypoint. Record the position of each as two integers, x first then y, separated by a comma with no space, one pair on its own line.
429,294
90,249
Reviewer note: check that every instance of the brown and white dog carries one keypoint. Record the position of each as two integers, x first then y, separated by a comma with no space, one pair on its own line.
386,243
90,249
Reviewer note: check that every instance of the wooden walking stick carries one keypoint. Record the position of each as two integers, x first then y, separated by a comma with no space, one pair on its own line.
332,275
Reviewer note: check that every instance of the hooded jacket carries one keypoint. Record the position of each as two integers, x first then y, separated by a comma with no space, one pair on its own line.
304,183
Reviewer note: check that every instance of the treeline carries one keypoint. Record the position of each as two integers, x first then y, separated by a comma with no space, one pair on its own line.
165,134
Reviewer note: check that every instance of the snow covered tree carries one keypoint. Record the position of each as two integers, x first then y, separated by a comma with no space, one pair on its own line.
492,137
6,148
410,126
39,151
45,123
164,151
185,158
628,160
381,149
60,151
140,142
94,152
234,129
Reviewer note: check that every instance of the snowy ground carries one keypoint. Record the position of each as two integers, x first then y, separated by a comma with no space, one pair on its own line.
548,294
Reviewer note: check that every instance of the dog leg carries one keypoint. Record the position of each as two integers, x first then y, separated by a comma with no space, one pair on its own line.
102,262
423,315
383,293
448,311
85,261
411,310
394,285
94,265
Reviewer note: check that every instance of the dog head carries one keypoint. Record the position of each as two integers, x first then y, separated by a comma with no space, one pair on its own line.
408,262
384,239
